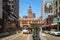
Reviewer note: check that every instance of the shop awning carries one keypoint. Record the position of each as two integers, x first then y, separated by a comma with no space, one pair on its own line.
54,24
47,25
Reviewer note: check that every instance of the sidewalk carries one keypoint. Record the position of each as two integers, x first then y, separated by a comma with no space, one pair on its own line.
43,36
4,34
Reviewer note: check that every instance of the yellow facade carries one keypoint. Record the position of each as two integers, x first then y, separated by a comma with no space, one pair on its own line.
28,21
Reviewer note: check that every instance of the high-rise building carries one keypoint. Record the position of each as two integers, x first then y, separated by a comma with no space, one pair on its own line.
25,16
46,8
34,15
9,13
30,15
14,7
56,6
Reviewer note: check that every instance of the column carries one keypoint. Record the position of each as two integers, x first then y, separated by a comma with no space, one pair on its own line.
21,23
38,21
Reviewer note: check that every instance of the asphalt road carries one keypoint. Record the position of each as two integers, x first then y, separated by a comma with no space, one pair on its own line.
23,37
18,37
0,39
51,37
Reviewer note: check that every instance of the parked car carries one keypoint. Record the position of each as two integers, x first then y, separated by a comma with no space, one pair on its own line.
52,31
46,31
56,33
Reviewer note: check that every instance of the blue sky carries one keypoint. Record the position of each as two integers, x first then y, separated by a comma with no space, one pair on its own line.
24,4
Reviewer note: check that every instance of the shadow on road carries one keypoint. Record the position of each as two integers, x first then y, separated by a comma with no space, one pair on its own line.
36,37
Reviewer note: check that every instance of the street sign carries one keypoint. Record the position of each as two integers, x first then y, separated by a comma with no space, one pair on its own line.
55,20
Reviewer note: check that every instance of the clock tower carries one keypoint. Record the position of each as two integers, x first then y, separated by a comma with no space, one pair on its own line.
30,15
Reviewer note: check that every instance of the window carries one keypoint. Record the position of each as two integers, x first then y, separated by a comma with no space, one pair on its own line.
34,21
24,22
10,2
25,27
12,6
56,11
56,3
11,10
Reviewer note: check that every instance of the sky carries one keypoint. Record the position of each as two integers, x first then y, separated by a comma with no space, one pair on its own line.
24,4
